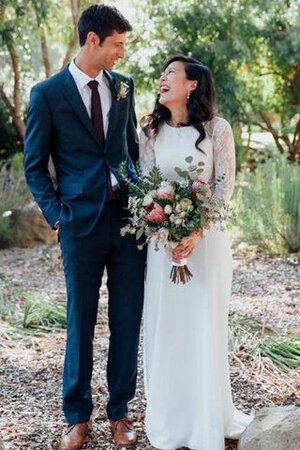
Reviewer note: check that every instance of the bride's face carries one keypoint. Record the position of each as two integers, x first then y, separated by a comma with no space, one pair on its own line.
174,86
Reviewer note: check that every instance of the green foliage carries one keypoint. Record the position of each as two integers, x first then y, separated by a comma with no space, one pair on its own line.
43,313
13,194
267,207
16,162
252,48
201,30
28,311
283,352
9,138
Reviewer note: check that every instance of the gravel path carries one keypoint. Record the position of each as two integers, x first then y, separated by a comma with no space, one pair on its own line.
265,289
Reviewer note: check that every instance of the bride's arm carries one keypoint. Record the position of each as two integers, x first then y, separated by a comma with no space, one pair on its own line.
224,160
224,171
146,154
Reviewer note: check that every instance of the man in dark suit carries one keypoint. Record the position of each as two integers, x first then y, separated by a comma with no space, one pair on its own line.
83,117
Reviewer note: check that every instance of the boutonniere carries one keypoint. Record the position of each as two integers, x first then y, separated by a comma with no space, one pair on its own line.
122,89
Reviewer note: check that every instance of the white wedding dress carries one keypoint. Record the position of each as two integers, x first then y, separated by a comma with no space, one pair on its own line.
189,402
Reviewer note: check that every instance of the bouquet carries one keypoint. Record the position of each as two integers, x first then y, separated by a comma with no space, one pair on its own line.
166,211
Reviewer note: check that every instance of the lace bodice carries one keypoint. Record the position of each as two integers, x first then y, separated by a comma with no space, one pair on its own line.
172,145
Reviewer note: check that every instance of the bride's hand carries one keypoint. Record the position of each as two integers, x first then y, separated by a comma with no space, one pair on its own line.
186,247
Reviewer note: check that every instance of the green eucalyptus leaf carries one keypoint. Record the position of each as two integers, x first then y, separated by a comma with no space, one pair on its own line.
139,233
189,159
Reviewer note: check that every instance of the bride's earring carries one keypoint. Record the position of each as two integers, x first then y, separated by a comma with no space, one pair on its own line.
188,95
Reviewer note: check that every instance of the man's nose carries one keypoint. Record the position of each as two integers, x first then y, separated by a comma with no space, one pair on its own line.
121,53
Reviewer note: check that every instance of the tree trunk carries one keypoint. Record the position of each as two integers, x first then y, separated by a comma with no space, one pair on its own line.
15,106
296,141
45,53
75,9
70,49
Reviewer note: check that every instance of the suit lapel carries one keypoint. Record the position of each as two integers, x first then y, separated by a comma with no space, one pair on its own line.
72,95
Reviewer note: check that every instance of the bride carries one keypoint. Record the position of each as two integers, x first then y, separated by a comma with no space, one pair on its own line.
189,402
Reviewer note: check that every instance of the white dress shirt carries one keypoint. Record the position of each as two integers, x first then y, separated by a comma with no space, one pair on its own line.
82,79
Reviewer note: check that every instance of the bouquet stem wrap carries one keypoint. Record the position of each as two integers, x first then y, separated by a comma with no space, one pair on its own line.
180,273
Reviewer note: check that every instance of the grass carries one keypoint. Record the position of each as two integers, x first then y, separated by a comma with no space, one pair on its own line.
9,300
30,310
43,313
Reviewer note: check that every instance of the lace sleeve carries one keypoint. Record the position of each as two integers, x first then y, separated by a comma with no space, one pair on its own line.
147,155
224,159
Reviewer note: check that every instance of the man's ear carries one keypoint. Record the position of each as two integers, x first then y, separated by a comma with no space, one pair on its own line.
92,39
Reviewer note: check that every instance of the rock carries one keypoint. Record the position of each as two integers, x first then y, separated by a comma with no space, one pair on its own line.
274,428
30,227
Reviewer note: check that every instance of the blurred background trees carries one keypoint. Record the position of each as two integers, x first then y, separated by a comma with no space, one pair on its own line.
251,46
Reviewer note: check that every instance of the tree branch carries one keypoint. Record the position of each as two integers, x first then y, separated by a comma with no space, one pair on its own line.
271,129
258,124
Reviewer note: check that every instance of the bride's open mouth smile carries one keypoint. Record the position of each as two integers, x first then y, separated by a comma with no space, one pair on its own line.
163,89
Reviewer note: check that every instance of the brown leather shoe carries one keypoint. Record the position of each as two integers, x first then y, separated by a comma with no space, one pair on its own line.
123,432
75,436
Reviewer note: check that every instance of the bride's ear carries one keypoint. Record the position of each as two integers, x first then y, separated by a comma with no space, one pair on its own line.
193,85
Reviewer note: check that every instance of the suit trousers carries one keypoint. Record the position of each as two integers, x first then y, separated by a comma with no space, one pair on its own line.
84,261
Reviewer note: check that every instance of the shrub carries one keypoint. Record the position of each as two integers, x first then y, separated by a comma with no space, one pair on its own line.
10,141
266,207
13,194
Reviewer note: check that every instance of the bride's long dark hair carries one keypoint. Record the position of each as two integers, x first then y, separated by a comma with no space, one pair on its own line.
201,105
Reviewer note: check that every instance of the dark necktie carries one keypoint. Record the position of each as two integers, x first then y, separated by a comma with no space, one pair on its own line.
97,121
96,110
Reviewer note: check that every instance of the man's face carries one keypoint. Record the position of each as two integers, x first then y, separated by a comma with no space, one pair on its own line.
108,52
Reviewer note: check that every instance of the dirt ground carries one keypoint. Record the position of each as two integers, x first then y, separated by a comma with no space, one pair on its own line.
265,289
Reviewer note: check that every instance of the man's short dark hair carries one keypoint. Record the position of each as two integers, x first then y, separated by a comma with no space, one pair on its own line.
102,20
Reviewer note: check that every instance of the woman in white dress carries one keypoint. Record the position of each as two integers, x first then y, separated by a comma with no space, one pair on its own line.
189,402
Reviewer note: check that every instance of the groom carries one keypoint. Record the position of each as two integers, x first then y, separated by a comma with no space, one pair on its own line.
84,118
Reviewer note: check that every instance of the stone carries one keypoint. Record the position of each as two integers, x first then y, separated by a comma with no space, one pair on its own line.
273,428
30,227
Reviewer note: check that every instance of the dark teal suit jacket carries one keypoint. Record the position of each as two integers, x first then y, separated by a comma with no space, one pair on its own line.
58,125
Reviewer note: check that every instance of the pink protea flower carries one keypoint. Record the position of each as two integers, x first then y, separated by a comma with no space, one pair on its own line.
201,187
155,213
165,191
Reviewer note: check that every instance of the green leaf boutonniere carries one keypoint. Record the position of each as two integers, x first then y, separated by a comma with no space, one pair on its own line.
122,89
